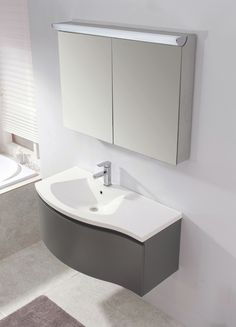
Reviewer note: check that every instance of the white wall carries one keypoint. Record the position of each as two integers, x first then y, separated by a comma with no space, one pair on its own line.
203,291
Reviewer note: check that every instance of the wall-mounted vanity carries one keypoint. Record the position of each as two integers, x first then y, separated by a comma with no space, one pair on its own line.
110,233
128,87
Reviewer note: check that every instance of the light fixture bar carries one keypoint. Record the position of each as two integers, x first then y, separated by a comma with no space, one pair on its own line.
122,33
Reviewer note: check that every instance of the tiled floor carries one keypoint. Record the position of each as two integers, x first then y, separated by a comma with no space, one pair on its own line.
35,271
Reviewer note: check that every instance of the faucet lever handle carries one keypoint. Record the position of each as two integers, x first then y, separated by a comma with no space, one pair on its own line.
105,164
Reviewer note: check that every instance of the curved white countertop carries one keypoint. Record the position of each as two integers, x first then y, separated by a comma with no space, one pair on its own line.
77,195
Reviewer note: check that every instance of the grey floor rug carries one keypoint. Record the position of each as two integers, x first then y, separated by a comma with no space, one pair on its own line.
41,312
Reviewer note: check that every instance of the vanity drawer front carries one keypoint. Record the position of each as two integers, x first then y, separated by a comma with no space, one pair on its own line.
95,251
110,255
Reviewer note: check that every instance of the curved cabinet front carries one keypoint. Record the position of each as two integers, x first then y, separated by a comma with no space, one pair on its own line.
110,255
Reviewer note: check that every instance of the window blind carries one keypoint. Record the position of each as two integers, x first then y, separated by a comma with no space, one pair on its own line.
18,113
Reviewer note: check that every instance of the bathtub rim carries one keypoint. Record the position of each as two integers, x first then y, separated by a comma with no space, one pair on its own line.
23,177
20,184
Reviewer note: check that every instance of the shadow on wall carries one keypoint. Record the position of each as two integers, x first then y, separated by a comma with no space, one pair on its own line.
19,220
128,181
207,271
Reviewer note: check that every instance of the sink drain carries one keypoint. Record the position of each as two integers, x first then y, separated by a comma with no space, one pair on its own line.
94,209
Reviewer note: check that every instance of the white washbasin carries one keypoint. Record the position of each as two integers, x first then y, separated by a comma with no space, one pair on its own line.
77,195
88,195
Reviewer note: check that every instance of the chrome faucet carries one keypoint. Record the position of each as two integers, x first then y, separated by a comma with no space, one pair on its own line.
106,173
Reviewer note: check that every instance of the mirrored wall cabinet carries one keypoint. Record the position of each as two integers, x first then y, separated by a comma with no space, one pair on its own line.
128,87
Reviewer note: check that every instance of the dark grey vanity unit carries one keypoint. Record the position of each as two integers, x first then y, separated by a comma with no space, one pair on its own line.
110,255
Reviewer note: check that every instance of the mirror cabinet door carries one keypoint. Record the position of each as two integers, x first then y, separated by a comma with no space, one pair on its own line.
146,90
86,84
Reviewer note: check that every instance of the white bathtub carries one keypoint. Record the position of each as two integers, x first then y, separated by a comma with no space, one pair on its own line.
12,173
